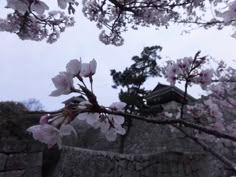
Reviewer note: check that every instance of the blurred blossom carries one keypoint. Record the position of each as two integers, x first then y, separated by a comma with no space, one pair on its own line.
89,69
63,82
74,67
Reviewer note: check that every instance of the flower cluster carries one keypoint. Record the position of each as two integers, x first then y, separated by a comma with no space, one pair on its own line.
30,21
109,124
53,127
189,69
118,16
75,68
24,6
37,6
49,133
229,14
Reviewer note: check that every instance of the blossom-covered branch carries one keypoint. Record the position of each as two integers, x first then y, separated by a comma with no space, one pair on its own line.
110,119
113,17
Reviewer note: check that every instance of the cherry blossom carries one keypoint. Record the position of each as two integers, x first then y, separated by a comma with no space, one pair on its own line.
109,124
50,135
112,132
45,133
205,78
213,109
90,118
24,5
39,7
190,70
114,17
44,119
67,130
63,3
63,82
230,14
88,69
74,67
117,106
110,120
21,6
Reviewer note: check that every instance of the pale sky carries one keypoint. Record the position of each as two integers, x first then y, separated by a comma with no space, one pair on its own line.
26,67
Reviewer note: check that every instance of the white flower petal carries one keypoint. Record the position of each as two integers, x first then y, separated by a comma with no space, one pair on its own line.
67,130
120,130
117,106
92,118
39,7
62,4
74,67
111,135
85,71
55,93
93,66
44,119
20,6
63,82
118,119
88,69
104,126
96,125
45,133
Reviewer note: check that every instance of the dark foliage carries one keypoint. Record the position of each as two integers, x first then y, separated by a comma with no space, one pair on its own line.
15,119
131,80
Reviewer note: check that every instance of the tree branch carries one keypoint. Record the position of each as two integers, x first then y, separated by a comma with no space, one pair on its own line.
173,122
205,147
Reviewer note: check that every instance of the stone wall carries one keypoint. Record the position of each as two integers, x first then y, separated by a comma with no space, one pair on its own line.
77,162
146,137
142,138
20,158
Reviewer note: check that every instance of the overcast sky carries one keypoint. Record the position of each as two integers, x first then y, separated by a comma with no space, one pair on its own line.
26,67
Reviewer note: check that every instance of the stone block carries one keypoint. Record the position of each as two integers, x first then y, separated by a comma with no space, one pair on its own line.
12,146
33,172
34,159
22,161
17,173
3,160
35,147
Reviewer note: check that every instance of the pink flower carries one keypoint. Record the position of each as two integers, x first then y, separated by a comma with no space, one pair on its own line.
44,119
117,106
173,69
205,78
172,72
74,67
90,118
88,69
112,132
213,109
49,134
63,82
109,124
45,133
